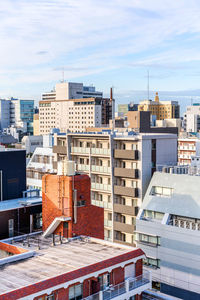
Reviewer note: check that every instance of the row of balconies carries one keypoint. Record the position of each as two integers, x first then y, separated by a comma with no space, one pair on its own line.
118,172
118,153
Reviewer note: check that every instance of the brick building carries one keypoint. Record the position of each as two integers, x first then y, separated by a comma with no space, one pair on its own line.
67,208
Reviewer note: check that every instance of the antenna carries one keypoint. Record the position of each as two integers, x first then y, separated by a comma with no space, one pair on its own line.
63,75
148,84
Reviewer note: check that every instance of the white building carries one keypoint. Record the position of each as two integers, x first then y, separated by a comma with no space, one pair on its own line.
71,90
168,231
188,147
192,118
31,142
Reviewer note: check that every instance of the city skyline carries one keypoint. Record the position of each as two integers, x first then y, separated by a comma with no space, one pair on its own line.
106,44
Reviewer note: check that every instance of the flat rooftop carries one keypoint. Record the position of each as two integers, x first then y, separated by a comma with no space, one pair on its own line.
51,261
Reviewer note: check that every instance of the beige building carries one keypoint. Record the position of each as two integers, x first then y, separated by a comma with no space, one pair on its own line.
74,115
120,166
161,109
36,124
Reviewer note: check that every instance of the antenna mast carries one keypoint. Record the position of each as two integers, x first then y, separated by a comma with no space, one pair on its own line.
148,84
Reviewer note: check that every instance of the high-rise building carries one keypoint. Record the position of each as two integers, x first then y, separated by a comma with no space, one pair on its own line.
74,115
161,109
168,231
71,90
21,114
4,114
120,166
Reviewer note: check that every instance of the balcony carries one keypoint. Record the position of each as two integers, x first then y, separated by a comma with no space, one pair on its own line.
81,167
93,151
124,209
101,169
60,150
101,187
107,223
80,150
128,173
126,154
124,290
125,191
104,204
100,151
123,227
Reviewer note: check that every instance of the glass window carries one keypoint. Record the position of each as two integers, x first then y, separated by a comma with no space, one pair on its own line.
75,292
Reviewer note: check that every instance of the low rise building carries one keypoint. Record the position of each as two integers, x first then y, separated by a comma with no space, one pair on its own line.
31,142
79,268
188,147
168,231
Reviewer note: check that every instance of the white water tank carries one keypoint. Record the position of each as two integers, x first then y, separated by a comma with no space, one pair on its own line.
66,168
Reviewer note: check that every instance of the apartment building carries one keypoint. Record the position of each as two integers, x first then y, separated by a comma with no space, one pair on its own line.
74,115
188,147
71,90
168,231
120,166
161,109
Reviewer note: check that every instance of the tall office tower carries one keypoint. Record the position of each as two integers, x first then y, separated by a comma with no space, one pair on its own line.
4,114
74,115
71,90
21,114
161,109
120,167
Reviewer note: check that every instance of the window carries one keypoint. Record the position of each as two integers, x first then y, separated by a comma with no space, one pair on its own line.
75,292
149,239
81,203
152,262
161,191
104,281
153,214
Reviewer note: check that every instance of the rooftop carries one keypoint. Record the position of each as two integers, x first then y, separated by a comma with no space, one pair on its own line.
51,261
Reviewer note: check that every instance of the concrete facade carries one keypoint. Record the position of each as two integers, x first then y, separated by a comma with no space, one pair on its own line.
168,231
120,166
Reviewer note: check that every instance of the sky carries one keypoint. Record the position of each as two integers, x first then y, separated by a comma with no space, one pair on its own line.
101,42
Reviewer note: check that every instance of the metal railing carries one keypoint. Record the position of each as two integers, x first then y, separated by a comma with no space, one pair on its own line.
103,204
130,284
97,151
101,186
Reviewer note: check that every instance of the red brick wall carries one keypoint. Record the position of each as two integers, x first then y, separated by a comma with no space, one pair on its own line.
117,276
12,249
138,268
90,219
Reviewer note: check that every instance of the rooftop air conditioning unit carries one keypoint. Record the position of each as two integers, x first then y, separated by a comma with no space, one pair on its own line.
66,168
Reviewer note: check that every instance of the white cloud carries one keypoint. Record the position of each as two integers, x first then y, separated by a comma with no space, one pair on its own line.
91,36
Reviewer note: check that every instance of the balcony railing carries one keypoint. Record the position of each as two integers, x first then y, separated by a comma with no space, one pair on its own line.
101,169
107,223
82,167
101,186
95,151
129,287
103,204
